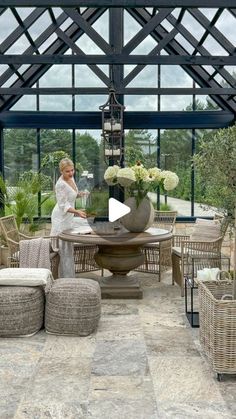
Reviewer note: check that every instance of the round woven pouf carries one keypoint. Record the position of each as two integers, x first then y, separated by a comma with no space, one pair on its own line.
73,307
21,310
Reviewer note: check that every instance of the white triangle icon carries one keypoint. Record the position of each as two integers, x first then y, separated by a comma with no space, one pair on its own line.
117,209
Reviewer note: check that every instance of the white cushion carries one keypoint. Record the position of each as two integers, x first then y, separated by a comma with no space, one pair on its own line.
26,277
176,250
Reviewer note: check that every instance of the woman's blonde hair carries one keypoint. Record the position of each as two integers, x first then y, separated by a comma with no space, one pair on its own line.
65,163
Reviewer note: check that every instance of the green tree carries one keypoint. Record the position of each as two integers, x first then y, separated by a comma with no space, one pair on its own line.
55,139
138,146
132,155
216,164
51,161
20,147
87,153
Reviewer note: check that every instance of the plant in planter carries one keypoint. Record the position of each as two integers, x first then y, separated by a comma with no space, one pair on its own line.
216,164
21,199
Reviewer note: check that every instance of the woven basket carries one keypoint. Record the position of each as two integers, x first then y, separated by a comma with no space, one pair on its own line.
218,325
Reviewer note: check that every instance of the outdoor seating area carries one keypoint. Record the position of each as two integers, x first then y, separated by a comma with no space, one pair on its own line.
115,352
139,347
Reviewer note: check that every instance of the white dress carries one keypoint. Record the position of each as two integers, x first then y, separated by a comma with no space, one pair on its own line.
62,220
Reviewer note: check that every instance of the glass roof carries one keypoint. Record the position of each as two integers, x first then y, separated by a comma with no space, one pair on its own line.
143,32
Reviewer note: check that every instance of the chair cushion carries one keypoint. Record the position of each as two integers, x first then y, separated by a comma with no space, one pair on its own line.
206,230
176,251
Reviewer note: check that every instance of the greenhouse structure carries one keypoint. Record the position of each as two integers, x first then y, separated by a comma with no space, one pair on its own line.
148,86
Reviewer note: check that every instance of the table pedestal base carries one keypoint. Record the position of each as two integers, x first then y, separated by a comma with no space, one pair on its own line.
120,286
120,260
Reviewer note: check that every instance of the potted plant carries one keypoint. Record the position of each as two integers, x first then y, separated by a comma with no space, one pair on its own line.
21,199
216,164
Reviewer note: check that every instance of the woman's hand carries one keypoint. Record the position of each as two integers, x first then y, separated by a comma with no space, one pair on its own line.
81,194
80,213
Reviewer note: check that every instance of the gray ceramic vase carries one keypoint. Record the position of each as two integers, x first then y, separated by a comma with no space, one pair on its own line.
139,219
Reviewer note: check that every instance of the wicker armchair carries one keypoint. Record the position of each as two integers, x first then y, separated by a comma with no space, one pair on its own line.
84,257
12,235
185,248
158,255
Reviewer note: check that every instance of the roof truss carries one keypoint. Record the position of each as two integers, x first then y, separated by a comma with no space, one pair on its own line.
115,53
118,3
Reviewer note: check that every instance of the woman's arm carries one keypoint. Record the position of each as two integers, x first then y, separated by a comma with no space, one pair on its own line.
77,213
64,204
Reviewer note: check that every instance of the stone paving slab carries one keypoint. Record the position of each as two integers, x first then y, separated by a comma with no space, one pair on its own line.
144,362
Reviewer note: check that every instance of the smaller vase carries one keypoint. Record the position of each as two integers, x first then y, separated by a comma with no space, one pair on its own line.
140,218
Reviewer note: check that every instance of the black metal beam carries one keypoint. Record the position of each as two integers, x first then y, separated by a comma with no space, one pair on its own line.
119,91
74,48
155,51
200,49
219,60
198,73
132,120
40,40
58,47
210,27
84,25
146,30
118,3
16,33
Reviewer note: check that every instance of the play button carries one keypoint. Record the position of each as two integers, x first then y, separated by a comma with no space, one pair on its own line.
117,209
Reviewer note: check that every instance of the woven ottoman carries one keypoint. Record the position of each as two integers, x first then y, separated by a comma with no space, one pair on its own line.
21,310
73,307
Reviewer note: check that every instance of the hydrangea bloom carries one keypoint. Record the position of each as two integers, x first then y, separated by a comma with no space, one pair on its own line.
126,176
110,175
155,174
171,180
140,173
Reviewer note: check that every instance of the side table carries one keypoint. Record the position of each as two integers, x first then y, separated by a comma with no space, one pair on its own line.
191,284
191,310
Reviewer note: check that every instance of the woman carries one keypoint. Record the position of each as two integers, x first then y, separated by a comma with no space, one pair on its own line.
63,214
66,194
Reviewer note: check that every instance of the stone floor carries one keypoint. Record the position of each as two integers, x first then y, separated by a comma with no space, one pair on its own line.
144,362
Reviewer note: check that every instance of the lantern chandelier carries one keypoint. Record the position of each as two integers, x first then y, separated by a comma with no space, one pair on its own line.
113,129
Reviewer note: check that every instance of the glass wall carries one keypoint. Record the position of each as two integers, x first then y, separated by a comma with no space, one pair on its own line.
168,149
21,155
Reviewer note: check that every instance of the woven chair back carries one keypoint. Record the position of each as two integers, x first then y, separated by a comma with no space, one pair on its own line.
165,219
224,223
9,228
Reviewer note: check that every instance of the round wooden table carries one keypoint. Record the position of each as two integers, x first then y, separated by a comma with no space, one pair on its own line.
119,252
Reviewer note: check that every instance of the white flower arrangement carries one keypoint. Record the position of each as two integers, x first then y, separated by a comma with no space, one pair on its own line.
139,181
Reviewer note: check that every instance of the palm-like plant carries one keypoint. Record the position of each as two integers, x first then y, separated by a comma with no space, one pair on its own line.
21,199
